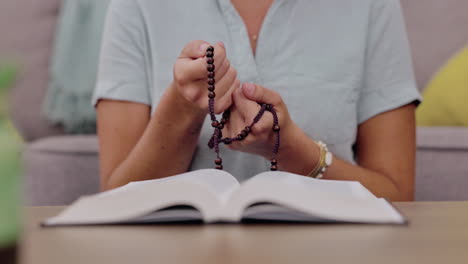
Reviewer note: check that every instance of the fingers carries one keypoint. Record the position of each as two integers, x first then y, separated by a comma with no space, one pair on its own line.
261,94
191,64
226,82
247,108
264,126
221,68
225,101
191,74
234,127
221,63
219,56
244,109
194,49
188,70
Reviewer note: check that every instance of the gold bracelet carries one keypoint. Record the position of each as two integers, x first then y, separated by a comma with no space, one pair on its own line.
324,162
313,172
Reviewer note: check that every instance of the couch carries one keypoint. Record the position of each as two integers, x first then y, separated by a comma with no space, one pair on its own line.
58,167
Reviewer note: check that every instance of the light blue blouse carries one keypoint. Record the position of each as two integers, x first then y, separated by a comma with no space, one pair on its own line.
336,63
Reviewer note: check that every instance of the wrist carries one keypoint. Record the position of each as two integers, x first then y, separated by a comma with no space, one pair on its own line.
298,152
183,106
291,138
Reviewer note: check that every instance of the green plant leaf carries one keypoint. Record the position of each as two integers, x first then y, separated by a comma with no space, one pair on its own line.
7,76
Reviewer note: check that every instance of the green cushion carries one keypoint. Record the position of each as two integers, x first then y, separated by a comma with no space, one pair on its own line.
74,66
446,96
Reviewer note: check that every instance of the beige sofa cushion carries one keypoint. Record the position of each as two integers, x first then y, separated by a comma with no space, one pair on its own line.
437,29
27,30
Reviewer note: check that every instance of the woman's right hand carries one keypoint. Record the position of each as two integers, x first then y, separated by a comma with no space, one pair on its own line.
190,76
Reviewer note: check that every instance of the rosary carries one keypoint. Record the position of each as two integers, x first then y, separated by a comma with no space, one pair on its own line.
218,126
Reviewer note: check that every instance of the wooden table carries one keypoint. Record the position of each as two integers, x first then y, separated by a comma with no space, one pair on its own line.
437,233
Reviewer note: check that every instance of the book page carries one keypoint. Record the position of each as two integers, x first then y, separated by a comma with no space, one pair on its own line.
218,181
283,195
348,188
202,189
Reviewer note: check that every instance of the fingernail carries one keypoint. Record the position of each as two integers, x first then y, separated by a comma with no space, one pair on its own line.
204,46
249,89
221,44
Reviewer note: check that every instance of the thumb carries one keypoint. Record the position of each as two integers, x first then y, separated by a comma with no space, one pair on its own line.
247,108
194,49
260,94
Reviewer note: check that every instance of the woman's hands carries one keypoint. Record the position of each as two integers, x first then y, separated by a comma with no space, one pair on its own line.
190,76
244,109
190,84
163,143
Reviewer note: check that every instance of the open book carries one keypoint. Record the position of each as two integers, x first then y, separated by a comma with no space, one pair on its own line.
216,196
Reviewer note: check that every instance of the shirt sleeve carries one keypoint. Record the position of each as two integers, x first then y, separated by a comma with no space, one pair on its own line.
388,74
123,71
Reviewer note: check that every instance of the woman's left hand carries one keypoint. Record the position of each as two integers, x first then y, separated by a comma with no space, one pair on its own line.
245,107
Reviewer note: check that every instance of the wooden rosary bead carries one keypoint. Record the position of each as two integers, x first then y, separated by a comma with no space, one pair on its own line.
218,161
210,48
274,168
210,60
210,67
211,81
211,74
211,88
276,128
244,133
223,120
274,162
215,124
227,141
211,95
240,137
219,167
248,129
209,54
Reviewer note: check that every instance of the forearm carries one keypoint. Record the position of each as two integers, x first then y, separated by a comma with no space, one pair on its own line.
377,182
300,155
167,145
